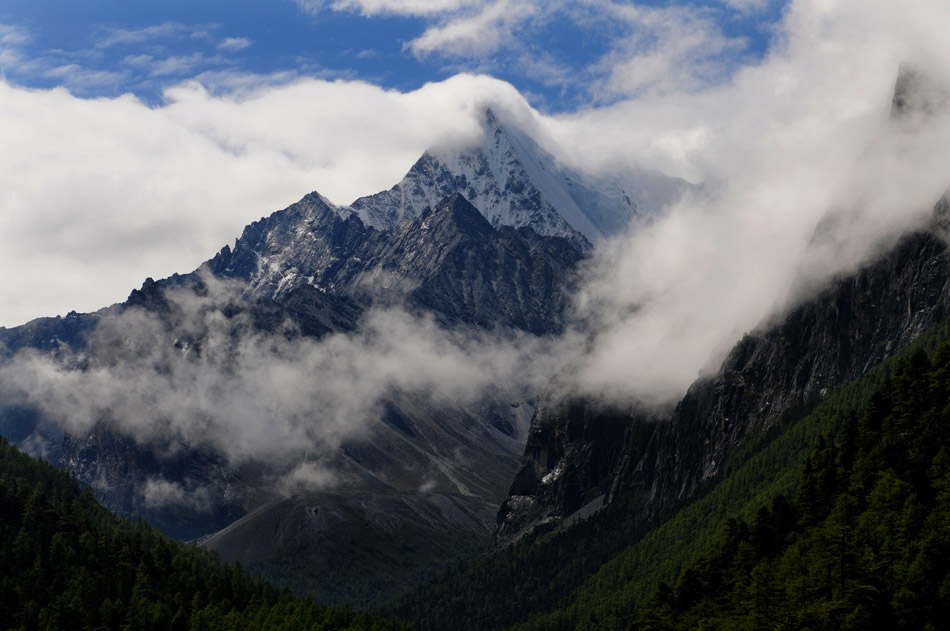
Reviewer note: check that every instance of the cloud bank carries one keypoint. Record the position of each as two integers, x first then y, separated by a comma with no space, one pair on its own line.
802,137
196,377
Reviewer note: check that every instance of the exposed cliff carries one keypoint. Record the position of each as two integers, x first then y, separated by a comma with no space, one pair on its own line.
449,261
579,456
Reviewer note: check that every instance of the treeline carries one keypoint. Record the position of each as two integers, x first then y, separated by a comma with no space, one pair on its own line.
67,563
865,544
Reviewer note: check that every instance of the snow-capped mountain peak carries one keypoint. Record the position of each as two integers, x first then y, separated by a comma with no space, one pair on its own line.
514,182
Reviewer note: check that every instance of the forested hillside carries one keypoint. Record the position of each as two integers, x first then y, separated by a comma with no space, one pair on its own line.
68,563
597,574
865,543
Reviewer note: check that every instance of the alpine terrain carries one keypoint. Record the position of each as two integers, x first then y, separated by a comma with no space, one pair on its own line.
785,453
485,241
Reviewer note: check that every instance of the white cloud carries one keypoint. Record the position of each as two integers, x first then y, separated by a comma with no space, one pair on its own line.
234,44
101,193
388,7
12,40
94,72
405,7
671,48
461,28
473,35
158,493
216,381
785,143
77,77
180,65
747,5
13,35
149,33
307,477
313,7
655,48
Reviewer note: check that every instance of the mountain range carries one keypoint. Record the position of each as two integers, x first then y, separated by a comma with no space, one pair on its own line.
419,485
358,502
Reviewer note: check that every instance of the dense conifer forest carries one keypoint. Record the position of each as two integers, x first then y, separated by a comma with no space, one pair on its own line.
781,509
865,543
68,563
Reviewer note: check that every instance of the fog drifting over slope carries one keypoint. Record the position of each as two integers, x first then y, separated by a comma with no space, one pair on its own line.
199,377
802,138
804,134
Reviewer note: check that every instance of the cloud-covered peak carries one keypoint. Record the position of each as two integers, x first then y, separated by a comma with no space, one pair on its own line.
513,181
918,94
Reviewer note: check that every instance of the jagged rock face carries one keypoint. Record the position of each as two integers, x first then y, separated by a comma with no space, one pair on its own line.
49,334
306,243
129,478
449,260
310,311
514,182
824,343
471,272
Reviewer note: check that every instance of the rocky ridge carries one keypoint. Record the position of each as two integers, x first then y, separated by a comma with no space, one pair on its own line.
449,260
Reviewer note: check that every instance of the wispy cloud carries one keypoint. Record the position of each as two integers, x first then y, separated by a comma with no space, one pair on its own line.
12,40
180,65
477,34
176,65
234,44
99,70
748,5
126,190
13,35
167,30
158,493
389,7
662,49
784,144
79,78
678,46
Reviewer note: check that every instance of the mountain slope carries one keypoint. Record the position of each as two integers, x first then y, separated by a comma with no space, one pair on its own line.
782,467
449,260
822,344
424,470
863,545
426,474
548,578
66,562
416,489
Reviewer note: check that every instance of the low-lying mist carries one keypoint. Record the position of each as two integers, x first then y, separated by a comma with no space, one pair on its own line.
194,376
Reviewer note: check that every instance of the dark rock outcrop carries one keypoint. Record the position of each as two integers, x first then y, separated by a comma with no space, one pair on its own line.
823,343
449,261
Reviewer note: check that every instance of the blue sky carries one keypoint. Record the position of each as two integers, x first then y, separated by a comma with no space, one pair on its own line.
560,55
